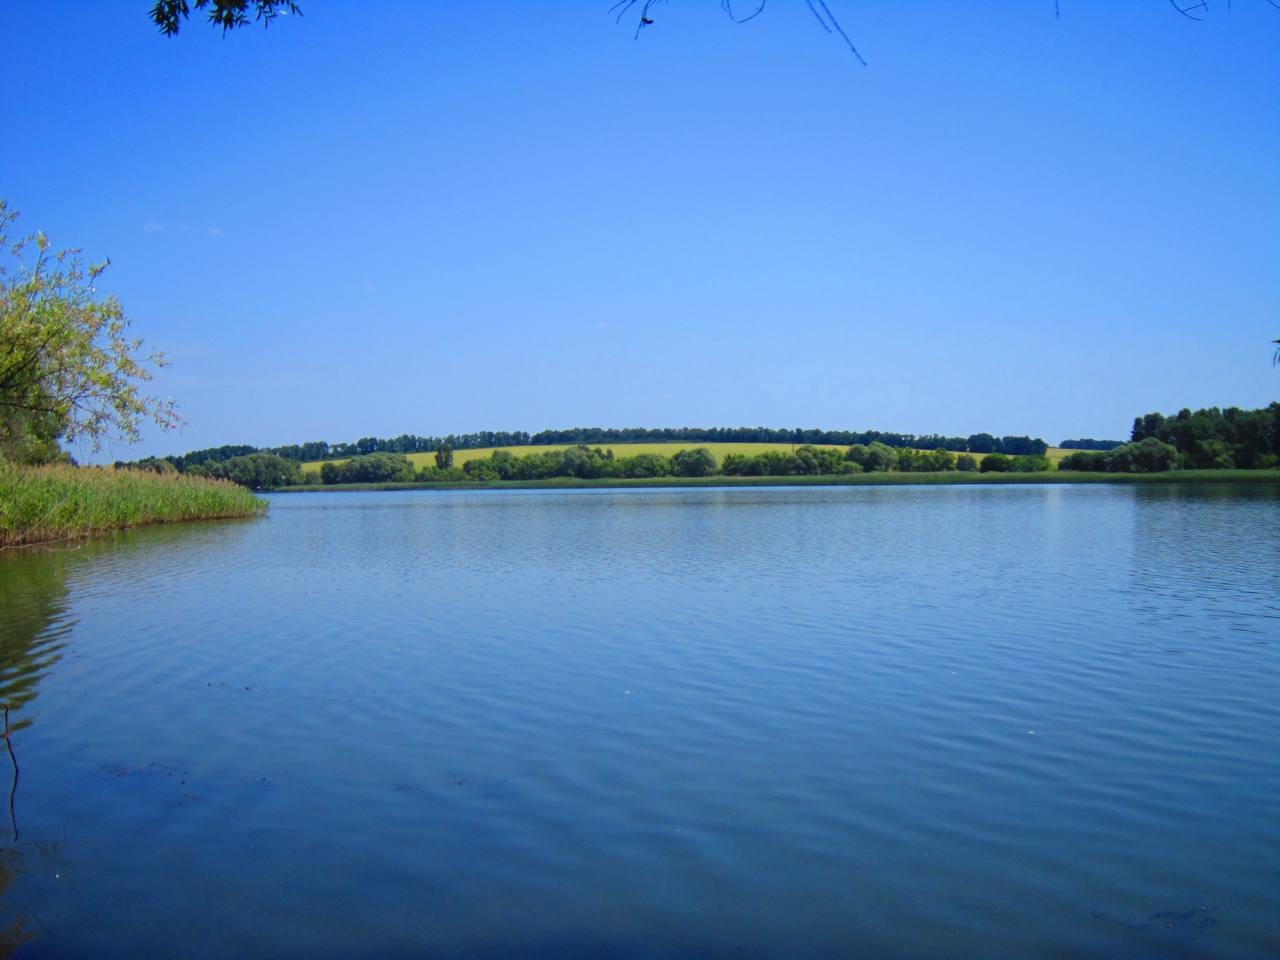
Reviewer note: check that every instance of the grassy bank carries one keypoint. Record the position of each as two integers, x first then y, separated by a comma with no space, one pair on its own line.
44,504
420,460
847,480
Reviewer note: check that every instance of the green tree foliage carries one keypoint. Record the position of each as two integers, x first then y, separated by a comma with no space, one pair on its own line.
444,457
257,471
873,457
583,436
1088,443
373,468
1148,455
805,461
1088,460
1214,439
169,15
68,368
982,443
155,465
645,465
925,461
698,462
996,463
967,463
1029,463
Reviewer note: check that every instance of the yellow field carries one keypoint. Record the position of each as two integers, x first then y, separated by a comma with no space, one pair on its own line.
460,457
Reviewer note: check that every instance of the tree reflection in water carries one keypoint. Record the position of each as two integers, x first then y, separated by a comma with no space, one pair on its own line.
34,625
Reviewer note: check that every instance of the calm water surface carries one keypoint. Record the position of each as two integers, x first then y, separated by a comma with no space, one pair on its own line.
867,722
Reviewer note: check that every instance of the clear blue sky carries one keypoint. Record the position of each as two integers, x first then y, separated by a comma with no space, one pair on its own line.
433,217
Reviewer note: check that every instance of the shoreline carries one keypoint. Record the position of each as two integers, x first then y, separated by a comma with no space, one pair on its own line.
841,480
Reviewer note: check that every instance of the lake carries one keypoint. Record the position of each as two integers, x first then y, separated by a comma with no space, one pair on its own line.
912,722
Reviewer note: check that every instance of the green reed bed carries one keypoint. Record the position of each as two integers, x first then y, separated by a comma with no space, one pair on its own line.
45,504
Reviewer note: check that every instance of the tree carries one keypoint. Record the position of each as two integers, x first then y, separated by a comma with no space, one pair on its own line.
982,443
1030,463
1091,460
699,462
642,9
996,463
169,15
873,457
372,468
68,368
257,471
1145,456
966,463
444,457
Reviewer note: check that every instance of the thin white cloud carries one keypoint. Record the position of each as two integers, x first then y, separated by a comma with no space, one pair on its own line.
215,231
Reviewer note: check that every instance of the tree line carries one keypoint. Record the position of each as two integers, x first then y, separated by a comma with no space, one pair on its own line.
1217,439
980,443
1203,439
1089,443
593,463
1208,439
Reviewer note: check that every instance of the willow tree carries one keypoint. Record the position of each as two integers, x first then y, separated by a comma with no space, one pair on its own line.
68,368
169,15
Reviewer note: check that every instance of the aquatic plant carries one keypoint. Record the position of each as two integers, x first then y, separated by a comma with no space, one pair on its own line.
50,503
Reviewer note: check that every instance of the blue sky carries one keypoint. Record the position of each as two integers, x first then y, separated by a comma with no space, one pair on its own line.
441,217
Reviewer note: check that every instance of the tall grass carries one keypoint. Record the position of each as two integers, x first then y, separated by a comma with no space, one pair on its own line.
44,504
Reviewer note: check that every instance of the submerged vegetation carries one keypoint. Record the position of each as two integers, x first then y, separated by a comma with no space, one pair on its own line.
41,504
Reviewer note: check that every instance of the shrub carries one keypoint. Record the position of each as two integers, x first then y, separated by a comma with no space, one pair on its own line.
996,463
1084,460
1030,463
966,462
645,465
257,471
699,462
1148,455
433,474
873,457
371,468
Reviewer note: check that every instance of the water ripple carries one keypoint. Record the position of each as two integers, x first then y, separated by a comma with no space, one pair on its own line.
933,722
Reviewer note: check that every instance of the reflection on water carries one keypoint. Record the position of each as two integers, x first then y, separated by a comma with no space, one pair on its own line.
34,626
34,623
962,722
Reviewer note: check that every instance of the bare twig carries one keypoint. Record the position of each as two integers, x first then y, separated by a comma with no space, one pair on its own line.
1188,10
727,5
13,791
832,25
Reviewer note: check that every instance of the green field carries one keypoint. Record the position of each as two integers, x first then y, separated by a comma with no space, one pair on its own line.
460,457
